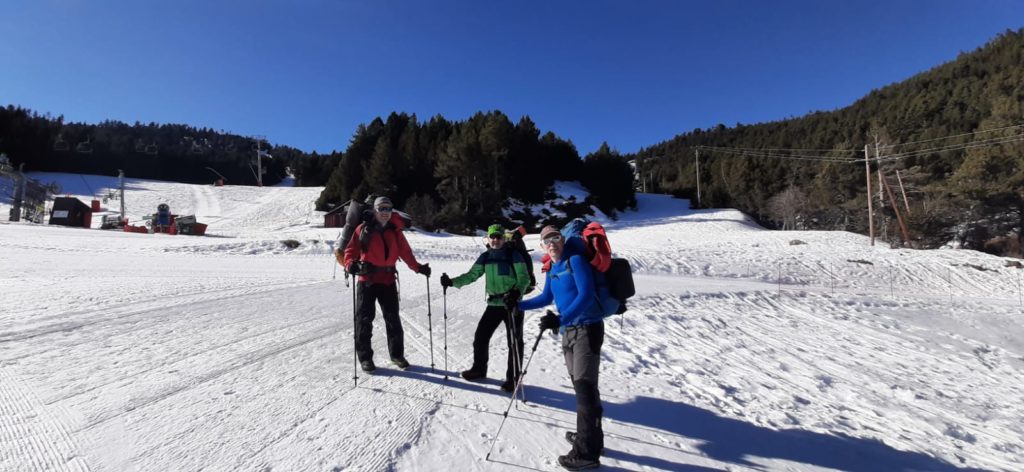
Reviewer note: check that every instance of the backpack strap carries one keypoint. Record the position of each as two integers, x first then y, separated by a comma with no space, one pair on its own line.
597,297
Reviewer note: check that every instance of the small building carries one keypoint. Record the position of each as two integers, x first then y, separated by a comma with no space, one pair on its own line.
70,211
336,217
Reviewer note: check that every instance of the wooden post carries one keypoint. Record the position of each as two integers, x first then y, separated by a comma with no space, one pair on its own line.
949,280
780,279
871,212
895,208
906,204
832,278
892,291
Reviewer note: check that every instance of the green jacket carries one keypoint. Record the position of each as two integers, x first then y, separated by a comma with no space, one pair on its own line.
504,268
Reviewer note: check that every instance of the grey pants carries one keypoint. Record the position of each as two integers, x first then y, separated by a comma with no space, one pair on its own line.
581,346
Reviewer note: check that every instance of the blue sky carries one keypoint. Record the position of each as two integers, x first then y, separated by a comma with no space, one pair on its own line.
633,73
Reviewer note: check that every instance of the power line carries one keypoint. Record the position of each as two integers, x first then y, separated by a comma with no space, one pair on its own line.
747,152
807,154
783,149
950,148
953,136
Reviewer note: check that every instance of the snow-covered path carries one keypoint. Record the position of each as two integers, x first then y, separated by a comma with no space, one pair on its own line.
151,352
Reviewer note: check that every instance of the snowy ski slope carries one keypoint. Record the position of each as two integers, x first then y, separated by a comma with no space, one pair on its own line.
232,352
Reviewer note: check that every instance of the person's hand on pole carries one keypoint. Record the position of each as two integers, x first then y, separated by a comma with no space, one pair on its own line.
549,321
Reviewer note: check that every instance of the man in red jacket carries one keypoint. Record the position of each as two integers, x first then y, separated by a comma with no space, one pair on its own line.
371,254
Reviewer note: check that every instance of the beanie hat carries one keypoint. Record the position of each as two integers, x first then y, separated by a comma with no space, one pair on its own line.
381,201
548,231
495,229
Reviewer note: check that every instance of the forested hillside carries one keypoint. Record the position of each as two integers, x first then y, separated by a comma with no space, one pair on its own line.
456,175
954,134
459,175
170,152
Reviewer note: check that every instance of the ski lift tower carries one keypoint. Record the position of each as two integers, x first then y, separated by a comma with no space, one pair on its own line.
260,153
120,183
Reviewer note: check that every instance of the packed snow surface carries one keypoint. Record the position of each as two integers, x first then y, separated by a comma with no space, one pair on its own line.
740,351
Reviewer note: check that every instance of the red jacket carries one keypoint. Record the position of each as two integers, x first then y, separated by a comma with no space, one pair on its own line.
383,249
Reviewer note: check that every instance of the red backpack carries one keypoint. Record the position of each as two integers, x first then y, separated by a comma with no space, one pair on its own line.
611,272
595,241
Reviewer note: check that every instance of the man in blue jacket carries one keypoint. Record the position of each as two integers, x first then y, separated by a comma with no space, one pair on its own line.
570,285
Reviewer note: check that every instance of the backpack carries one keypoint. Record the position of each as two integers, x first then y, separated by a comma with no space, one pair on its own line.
518,245
355,214
513,244
613,277
359,213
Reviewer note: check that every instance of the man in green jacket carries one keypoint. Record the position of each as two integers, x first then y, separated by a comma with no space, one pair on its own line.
506,277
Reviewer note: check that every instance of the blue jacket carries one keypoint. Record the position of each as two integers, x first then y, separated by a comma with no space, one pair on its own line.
570,284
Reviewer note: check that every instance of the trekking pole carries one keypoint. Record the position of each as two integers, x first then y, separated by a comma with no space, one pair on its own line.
444,293
518,384
334,275
355,348
430,327
514,347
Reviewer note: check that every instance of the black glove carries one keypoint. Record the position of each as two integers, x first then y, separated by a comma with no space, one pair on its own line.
425,270
511,297
446,281
549,321
354,267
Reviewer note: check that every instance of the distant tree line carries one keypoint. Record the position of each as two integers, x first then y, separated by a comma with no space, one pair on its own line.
173,152
461,175
454,175
973,196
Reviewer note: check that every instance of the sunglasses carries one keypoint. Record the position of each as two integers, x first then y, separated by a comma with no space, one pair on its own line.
552,240
384,209
497,236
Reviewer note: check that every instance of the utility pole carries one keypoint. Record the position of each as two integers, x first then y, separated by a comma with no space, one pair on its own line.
19,194
895,209
259,162
871,212
643,180
696,161
120,183
881,199
906,204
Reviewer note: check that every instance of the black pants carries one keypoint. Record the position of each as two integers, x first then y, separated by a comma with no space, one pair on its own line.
494,316
387,296
581,346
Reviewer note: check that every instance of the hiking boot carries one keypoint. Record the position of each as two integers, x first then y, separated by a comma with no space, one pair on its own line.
571,437
473,374
574,461
367,366
400,362
508,386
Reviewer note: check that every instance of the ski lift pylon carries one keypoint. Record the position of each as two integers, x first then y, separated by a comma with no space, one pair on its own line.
60,145
85,147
